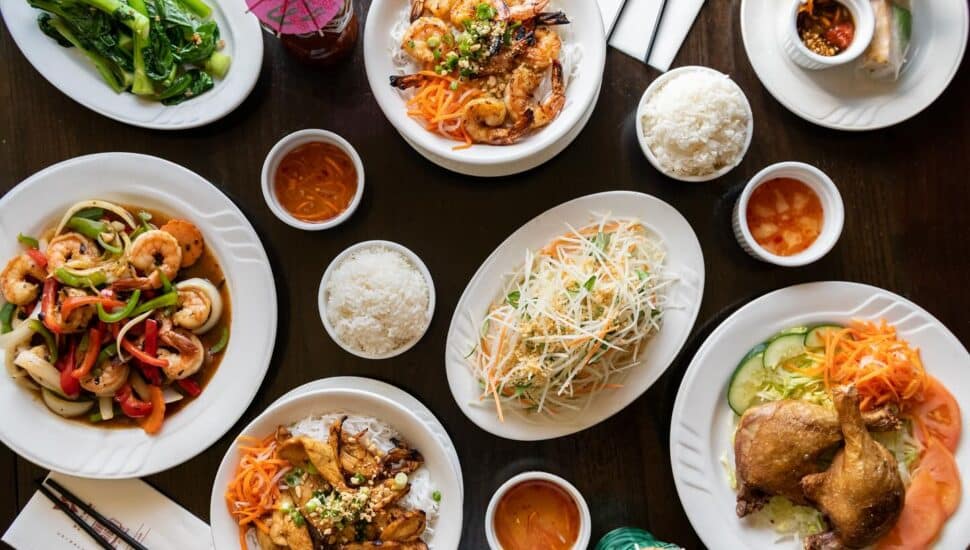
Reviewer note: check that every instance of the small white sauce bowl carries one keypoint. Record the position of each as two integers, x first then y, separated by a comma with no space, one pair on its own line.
658,83
272,163
833,212
791,42
585,521
323,295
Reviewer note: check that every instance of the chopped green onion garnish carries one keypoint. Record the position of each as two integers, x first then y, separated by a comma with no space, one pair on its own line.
400,481
588,285
513,298
436,496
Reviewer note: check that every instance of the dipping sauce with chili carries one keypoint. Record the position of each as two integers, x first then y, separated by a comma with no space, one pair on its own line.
784,216
826,27
315,182
537,515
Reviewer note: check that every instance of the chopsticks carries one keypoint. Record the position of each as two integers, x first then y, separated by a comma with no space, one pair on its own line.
73,499
653,34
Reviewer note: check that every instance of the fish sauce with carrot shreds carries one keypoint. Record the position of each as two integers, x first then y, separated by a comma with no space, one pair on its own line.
316,182
785,216
537,515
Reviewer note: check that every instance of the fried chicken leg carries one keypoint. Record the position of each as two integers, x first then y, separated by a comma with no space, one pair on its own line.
861,494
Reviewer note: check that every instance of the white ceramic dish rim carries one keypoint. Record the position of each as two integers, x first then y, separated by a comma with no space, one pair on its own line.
315,402
642,140
768,70
585,520
153,183
581,93
281,149
832,206
861,11
409,255
71,73
701,421
685,260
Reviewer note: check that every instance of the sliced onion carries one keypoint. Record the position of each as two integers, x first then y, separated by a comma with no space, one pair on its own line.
106,407
40,370
140,386
64,407
171,396
105,205
215,298
124,330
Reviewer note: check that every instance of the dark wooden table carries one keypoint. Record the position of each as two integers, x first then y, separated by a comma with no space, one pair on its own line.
906,230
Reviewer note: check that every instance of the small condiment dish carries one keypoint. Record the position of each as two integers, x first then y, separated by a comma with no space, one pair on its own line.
585,521
832,207
291,142
658,83
865,25
323,295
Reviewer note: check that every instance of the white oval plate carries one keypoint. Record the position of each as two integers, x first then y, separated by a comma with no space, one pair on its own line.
701,425
71,72
141,180
685,262
840,98
586,28
447,528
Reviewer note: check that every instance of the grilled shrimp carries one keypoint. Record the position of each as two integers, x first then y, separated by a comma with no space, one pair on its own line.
189,237
106,379
467,10
520,10
78,319
437,8
194,308
71,250
484,119
540,55
153,252
415,40
185,356
19,280
521,89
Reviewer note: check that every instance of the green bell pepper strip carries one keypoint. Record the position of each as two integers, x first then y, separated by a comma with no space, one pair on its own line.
48,337
80,281
166,284
93,213
107,352
123,313
221,344
89,228
27,241
144,217
116,250
6,317
165,300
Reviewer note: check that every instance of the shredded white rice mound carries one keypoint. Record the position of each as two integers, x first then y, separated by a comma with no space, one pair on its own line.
378,301
696,123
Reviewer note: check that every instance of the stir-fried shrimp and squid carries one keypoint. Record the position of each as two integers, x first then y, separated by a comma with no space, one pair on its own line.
573,319
481,66
113,319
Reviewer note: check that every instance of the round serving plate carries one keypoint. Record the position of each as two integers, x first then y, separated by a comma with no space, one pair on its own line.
702,424
684,263
301,404
74,75
585,30
843,99
150,182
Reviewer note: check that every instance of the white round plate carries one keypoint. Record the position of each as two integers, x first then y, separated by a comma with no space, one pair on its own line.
156,184
72,73
685,263
842,99
585,29
395,394
701,425
447,528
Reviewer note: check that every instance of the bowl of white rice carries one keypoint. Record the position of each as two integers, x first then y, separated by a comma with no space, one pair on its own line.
694,124
376,299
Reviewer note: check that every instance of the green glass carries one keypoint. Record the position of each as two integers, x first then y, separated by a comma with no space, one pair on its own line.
630,538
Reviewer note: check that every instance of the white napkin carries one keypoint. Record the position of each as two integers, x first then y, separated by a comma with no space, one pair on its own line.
633,28
148,516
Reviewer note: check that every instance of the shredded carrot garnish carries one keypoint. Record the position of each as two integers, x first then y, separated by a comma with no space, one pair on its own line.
254,490
439,103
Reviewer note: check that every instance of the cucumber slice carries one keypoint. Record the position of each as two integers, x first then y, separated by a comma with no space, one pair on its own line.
788,331
814,339
784,347
747,380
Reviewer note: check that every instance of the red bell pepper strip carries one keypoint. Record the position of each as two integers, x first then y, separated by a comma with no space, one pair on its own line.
142,356
189,386
153,423
91,355
150,348
69,384
39,258
131,405
68,305
47,305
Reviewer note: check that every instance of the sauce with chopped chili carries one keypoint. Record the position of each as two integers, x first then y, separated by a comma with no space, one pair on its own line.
826,27
537,515
784,216
316,181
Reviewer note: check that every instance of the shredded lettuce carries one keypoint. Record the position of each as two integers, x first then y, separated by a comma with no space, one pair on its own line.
787,518
904,446
781,383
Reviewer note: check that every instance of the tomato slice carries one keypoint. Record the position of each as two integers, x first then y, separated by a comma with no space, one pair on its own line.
939,463
921,519
937,416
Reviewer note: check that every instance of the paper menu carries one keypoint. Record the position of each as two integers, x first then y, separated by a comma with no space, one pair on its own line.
149,516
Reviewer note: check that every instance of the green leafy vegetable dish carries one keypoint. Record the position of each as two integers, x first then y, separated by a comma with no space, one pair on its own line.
160,50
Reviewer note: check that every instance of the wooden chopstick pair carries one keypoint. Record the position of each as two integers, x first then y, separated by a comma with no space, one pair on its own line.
45,488
653,33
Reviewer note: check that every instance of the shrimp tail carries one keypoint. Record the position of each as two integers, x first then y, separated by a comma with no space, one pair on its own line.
404,82
549,18
417,8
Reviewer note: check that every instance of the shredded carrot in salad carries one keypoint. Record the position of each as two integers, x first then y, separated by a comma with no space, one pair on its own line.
439,103
254,490
882,366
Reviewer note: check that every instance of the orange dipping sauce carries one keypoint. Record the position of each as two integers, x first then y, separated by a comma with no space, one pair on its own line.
784,216
537,515
316,182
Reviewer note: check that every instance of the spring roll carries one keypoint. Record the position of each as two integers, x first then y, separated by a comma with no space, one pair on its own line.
890,42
